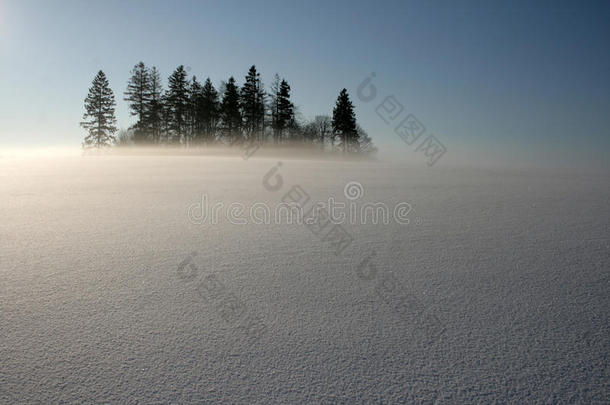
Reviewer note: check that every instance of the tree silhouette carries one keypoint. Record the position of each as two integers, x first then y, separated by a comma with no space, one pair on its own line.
210,110
344,122
230,112
274,98
322,125
365,142
155,106
138,96
194,113
252,99
191,113
99,119
282,109
177,104
285,109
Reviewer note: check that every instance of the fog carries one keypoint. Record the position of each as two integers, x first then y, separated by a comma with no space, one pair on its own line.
491,287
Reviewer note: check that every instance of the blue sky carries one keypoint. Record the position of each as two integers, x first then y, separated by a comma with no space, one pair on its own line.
520,83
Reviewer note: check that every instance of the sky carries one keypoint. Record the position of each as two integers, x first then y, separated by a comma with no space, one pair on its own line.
497,83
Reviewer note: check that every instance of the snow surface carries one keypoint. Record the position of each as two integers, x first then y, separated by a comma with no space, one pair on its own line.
500,286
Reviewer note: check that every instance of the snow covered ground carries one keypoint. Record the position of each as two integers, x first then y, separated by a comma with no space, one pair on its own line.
496,291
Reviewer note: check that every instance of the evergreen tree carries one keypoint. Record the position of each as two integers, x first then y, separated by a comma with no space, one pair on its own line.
282,109
177,103
210,110
230,112
166,118
137,94
285,109
273,107
99,119
195,102
344,122
253,105
154,114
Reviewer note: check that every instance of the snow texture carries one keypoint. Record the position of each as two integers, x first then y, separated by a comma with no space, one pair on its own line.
497,291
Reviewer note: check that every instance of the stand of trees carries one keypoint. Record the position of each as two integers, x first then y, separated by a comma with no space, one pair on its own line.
189,113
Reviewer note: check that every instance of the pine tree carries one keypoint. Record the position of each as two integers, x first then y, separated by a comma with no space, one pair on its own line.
195,102
137,94
344,122
253,105
99,117
210,110
282,109
166,118
285,113
154,113
230,112
274,107
177,103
